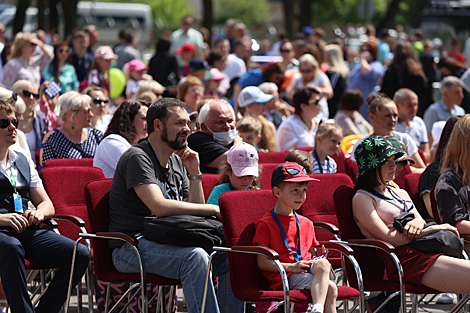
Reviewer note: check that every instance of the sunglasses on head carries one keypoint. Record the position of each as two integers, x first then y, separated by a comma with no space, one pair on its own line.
5,122
99,101
28,94
294,171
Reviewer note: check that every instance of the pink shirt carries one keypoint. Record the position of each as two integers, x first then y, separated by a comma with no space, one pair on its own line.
388,210
18,68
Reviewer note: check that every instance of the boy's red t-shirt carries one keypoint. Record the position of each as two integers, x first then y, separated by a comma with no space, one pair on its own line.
268,234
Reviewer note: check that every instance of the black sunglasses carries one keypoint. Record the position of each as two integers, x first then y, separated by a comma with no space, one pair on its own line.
99,101
5,122
28,94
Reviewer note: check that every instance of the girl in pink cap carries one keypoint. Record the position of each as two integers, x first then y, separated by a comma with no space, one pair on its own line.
238,173
104,55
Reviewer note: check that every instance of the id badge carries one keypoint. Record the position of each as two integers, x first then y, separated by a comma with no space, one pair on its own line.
18,203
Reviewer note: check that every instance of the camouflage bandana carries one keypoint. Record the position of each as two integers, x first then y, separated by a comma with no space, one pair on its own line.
372,152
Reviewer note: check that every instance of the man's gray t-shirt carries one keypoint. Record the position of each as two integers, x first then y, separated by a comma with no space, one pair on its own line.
139,165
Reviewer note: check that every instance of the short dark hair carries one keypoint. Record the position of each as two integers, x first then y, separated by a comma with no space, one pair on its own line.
303,96
351,99
160,110
122,122
369,180
283,184
163,46
7,107
213,56
301,157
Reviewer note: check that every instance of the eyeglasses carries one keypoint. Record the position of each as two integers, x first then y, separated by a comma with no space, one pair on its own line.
5,122
195,89
306,71
316,101
88,111
285,50
28,94
64,50
294,171
99,101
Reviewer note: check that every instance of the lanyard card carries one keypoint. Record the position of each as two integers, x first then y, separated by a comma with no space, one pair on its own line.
18,203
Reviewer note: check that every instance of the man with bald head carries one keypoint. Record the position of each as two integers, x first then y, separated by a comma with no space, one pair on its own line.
217,135
407,104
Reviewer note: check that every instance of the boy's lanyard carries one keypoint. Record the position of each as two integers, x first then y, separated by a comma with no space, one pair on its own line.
315,155
14,179
381,196
298,254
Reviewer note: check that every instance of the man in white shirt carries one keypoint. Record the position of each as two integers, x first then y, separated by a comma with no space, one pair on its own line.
186,34
407,105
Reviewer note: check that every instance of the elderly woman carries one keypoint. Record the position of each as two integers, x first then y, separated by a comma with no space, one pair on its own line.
23,63
33,124
311,75
127,127
19,105
299,129
99,106
190,91
383,114
366,74
75,139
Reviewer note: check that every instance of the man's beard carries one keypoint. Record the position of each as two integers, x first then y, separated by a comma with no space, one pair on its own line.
177,144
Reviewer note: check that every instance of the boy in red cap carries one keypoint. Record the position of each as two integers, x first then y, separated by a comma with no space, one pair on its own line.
292,236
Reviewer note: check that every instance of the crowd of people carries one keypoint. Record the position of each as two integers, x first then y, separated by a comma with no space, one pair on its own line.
202,106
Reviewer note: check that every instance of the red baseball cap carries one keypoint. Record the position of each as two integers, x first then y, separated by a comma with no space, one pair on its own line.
290,172
186,47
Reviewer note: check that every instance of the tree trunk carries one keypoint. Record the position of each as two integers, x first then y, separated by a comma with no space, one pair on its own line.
389,19
70,15
53,15
208,18
305,13
289,16
41,20
20,16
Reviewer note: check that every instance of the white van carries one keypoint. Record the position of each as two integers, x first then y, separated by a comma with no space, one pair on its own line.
107,16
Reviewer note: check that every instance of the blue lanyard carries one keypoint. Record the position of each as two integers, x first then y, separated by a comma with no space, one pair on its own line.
381,196
298,254
315,155
230,186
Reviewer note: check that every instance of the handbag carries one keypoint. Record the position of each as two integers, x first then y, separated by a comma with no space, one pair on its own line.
441,241
185,231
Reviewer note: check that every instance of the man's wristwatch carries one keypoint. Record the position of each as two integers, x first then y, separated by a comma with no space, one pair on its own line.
195,177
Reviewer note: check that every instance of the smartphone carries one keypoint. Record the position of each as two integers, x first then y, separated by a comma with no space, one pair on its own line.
321,256
53,90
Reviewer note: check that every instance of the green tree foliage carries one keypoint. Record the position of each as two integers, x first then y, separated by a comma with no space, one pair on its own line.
167,13
250,12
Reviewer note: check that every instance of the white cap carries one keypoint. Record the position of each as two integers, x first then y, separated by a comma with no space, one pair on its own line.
436,132
243,159
252,94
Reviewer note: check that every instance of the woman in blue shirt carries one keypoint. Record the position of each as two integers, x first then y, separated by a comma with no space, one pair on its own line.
60,70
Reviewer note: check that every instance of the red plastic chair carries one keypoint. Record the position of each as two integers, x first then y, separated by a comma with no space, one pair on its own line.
272,157
376,258
69,162
240,211
97,200
411,187
400,179
209,181
266,173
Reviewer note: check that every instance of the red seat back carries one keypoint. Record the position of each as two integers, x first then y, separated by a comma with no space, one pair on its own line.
65,187
209,181
69,162
272,157
340,161
400,179
411,186
266,173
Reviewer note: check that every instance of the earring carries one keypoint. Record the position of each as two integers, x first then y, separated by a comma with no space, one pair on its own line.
73,125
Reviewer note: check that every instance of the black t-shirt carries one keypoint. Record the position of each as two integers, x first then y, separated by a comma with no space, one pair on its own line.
208,150
139,165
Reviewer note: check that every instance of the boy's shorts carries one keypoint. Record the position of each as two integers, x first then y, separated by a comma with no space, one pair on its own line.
301,281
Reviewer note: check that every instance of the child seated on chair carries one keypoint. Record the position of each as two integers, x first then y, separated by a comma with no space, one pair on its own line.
293,237
249,128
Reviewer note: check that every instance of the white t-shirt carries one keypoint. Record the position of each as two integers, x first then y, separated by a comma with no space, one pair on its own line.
108,153
294,132
411,147
236,67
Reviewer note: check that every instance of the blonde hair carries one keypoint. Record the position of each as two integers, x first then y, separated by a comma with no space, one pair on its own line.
149,85
7,96
21,40
337,60
148,96
71,101
249,124
184,86
310,60
18,87
456,157
326,130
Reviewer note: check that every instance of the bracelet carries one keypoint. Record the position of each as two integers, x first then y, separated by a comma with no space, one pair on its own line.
195,177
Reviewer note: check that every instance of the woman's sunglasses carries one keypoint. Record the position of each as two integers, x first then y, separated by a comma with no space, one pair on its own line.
5,122
99,101
28,94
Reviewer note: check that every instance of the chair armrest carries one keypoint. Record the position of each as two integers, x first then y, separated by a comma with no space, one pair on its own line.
267,252
48,224
70,218
337,246
327,226
373,243
112,235
465,237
